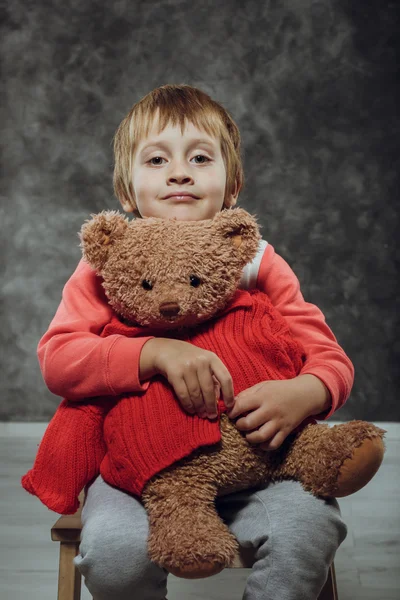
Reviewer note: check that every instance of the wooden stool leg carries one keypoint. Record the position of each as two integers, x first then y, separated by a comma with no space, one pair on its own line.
329,591
69,577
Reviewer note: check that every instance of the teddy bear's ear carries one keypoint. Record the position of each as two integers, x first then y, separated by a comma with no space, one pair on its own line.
99,234
241,228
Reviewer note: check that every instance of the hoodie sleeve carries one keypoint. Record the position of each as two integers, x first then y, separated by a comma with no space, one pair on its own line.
325,358
75,361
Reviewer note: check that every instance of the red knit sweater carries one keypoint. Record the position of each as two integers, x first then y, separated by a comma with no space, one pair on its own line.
145,433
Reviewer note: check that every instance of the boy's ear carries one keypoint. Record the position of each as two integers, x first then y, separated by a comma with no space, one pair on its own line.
231,200
241,229
99,234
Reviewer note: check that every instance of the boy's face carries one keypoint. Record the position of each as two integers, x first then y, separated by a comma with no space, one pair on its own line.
171,163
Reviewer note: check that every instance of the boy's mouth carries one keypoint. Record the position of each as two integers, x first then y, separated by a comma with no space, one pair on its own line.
180,194
184,198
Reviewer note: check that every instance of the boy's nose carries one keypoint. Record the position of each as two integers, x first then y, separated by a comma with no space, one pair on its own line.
181,178
178,173
169,309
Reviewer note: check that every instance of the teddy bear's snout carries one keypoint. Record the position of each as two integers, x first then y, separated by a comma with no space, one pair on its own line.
169,309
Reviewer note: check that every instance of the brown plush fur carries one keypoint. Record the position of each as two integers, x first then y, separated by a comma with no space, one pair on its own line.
187,537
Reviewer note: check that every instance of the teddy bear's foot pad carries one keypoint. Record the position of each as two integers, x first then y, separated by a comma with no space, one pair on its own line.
336,461
197,571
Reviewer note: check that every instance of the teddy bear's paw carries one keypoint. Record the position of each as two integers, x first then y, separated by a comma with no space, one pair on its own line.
335,461
365,460
193,546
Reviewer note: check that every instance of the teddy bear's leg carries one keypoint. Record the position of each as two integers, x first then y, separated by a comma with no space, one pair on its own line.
187,536
334,461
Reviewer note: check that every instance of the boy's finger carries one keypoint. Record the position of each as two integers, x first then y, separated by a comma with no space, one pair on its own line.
263,434
182,394
217,388
244,403
207,386
251,420
274,443
236,410
225,380
194,391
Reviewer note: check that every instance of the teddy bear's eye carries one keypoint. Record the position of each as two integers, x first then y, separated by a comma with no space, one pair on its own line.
147,285
195,281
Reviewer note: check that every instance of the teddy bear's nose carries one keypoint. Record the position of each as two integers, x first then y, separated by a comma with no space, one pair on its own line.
169,309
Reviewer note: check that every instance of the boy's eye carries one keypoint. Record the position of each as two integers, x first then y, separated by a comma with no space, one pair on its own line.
202,156
195,281
147,285
156,158
161,158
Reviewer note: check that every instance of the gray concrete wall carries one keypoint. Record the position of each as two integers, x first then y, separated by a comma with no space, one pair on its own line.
312,87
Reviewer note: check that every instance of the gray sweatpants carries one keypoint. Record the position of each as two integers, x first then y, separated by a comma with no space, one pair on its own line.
295,536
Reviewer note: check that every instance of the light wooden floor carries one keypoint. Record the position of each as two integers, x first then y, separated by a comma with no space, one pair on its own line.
367,564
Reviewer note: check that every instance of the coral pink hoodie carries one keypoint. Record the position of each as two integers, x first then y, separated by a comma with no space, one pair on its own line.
77,363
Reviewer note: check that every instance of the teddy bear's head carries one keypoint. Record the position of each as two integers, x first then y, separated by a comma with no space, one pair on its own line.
167,273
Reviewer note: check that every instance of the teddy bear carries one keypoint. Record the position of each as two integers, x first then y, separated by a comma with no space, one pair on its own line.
179,279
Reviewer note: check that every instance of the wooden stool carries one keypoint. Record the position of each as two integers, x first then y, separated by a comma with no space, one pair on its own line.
67,531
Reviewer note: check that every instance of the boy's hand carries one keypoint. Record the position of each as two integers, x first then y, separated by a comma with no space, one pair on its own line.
274,408
196,375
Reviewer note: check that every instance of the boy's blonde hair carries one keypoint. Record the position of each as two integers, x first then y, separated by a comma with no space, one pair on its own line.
176,104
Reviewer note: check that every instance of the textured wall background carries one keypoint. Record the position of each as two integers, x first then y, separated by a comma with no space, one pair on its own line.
312,87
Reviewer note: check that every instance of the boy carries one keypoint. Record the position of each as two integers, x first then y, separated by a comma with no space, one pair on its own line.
156,174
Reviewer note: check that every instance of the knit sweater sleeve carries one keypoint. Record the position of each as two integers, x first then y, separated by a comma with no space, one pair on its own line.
324,357
75,361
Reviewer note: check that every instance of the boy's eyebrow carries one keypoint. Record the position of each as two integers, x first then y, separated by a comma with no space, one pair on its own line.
161,144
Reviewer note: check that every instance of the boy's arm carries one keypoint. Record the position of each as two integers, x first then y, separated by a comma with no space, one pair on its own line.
326,360
75,361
